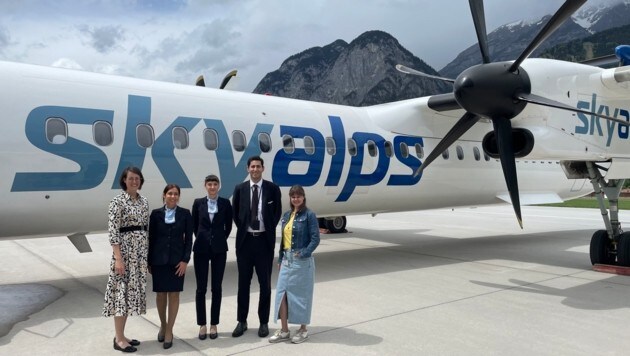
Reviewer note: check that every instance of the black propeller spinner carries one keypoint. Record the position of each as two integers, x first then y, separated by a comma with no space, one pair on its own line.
497,91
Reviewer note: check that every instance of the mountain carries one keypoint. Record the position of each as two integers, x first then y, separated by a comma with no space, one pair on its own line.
600,44
508,41
360,73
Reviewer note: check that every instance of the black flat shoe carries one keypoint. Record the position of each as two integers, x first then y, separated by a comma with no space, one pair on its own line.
168,344
213,335
203,336
134,342
126,349
240,329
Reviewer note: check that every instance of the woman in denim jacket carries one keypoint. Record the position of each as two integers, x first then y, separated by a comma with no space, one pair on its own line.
294,291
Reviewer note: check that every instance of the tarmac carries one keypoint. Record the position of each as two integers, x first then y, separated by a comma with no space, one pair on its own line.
440,282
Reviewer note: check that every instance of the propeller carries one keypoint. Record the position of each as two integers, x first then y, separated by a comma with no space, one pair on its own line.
497,91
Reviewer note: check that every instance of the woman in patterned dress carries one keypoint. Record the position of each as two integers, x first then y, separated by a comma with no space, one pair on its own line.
126,287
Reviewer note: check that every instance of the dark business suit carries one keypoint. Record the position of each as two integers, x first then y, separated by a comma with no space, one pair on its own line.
210,247
255,252
169,244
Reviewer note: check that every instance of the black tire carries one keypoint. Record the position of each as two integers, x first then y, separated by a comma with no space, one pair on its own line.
322,223
623,250
601,249
336,224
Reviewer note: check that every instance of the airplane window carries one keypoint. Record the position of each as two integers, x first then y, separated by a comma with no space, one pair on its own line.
180,138
56,130
445,154
264,141
486,157
404,150
144,135
103,133
239,141
210,139
288,144
460,152
476,153
419,150
309,145
331,147
388,149
352,147
371,148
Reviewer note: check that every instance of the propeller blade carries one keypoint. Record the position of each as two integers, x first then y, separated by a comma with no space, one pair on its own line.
464,123
536,99
443,102
607,61
479,18
503,131
407,70
200,82
564,12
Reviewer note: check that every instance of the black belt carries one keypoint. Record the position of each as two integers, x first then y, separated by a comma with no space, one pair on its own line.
254,234
133,228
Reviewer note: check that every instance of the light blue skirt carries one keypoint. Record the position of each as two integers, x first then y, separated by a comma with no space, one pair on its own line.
296,280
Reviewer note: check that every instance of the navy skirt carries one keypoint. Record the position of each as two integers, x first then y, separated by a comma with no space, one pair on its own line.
165,279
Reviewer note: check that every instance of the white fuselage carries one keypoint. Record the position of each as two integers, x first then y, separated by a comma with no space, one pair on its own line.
62,185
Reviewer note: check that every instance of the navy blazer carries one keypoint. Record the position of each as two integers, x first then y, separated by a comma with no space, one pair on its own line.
169,244
271,211
213,232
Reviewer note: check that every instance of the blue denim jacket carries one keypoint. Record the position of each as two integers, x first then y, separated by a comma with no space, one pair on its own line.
305,236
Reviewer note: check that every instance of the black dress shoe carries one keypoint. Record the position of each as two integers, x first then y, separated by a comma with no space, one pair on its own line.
213,335
126,349
263,330
134,342
168,344
203,336
160,337
241,327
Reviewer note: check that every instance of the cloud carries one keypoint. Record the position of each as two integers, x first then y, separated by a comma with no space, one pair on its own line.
104,38
5,38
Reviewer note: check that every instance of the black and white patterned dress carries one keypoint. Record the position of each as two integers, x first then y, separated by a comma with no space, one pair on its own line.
126,295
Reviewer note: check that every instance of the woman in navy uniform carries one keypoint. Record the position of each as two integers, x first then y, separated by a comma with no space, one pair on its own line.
212,224
170,245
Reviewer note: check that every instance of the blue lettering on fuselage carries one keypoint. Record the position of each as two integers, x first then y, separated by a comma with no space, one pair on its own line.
593,127
93,162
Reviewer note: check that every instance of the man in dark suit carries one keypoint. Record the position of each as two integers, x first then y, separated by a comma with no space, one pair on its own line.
212,224
257,211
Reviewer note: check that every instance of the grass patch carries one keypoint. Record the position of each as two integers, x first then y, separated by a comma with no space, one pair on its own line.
589,202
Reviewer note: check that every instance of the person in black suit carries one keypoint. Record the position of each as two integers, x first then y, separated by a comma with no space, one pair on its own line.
257,211
170,243
212,221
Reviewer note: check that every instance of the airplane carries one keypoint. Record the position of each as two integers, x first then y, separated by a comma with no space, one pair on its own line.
528,131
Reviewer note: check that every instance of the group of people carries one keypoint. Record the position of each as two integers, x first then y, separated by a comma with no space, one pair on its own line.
161,244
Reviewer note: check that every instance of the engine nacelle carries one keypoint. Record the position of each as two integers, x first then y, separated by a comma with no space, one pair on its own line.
522,139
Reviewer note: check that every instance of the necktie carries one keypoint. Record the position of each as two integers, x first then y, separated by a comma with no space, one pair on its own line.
254,209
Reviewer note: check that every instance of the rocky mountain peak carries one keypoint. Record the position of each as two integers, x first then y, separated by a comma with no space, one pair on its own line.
360,73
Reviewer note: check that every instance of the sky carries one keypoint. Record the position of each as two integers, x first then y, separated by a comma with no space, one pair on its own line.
178,40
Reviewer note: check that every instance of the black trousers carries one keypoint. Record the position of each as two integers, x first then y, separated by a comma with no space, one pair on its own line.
216,262
254,255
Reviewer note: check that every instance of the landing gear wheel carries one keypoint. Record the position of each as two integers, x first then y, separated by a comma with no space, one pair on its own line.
337,224
623,250
601,248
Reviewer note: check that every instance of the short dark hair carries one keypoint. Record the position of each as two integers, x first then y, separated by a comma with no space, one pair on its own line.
297,190
255,158
123,176
211,178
